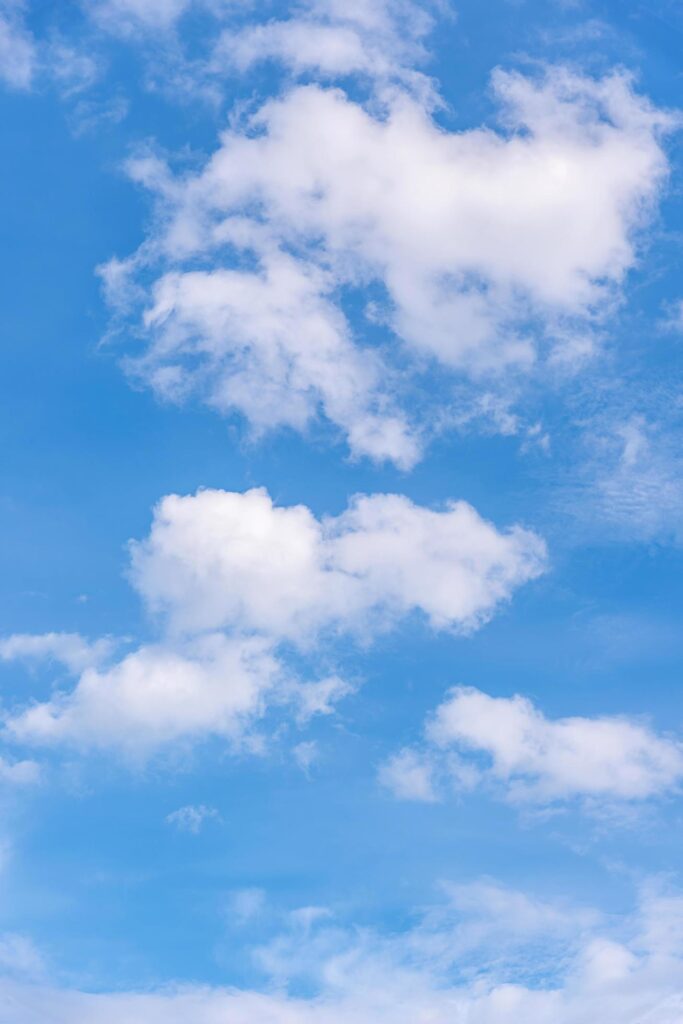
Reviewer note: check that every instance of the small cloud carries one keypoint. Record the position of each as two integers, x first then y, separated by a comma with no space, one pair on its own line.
306,754
19,773
673,317
409,776
192,817
246,904
508,746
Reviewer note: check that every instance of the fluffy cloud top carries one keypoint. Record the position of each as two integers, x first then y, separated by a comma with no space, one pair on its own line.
230,560
510,744
272,345
156,696
486,246
234,578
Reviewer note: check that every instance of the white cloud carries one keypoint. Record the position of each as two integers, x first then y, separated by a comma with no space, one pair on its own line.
487,956
508,744
128,16
409,776
274,347
156,696
192,817
222,559
20,957
634,477
336,38
18,56
233,579
457,229
19,773
306,754
69,649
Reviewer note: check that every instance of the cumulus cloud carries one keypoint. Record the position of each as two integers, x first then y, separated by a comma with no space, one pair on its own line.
508,745
273,346
222,559
156,696
456,231
546,964
632,479
234,582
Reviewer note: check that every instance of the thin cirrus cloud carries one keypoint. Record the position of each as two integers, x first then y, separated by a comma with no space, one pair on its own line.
486,955
510,747
68,649
458,229
127,16
234,581
192,817
18,57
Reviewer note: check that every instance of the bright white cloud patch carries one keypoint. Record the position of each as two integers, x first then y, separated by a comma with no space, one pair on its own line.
459,232
474,739
230,560
273,346
156,696
232,576
488,955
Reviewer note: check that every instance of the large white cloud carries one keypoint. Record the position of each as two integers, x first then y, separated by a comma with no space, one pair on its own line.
474,739
489,955
489,247
222,559
234,579
155,696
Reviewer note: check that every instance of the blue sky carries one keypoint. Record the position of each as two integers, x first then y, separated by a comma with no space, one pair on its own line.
341,489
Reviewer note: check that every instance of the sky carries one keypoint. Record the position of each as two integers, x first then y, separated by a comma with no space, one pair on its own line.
341,491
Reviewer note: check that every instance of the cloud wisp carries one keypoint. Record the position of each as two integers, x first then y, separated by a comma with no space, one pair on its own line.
546,963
